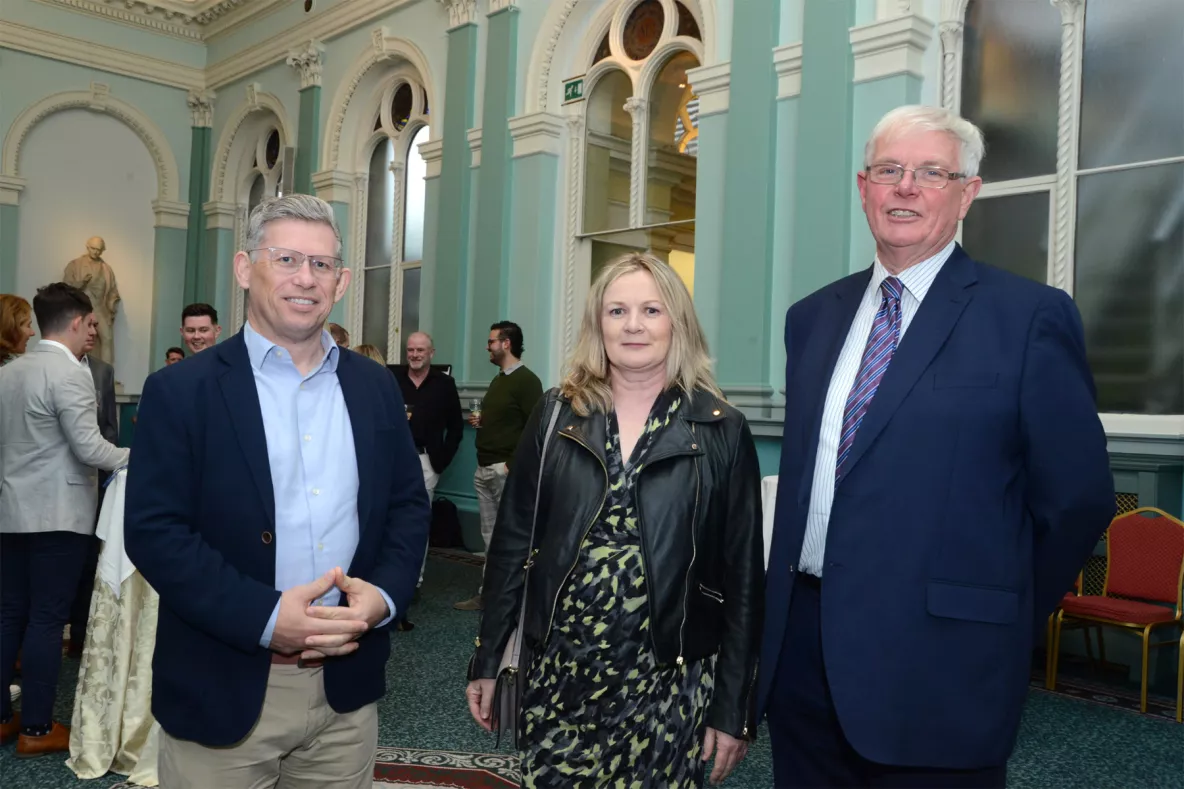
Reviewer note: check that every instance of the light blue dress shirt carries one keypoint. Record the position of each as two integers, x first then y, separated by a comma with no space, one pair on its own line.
314,468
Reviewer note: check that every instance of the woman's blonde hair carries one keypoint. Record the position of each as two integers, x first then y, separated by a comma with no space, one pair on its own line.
688,365
370,351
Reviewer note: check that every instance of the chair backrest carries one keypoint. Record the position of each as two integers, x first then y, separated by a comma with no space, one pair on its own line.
1145,553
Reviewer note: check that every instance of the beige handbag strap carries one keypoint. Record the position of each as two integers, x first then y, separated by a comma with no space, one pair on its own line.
516,654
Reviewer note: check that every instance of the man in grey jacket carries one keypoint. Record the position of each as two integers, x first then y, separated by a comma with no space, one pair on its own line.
50,448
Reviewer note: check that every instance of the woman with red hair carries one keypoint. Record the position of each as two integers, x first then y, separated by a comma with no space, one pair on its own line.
16,326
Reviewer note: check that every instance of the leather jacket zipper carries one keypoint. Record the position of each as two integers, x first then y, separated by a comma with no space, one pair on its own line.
748,696
690,567
559,589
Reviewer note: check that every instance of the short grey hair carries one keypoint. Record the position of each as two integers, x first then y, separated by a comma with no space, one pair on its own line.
917,117
305,208
431,342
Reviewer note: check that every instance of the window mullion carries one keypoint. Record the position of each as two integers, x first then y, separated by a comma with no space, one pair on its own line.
1064,195
395,305
358,254
637,106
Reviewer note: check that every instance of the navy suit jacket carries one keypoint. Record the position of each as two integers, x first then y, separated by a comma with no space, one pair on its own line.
199,524
977,486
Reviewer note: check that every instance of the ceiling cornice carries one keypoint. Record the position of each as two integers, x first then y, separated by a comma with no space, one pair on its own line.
193,21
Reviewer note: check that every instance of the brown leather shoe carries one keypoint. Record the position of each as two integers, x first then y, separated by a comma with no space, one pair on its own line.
56,741
11,730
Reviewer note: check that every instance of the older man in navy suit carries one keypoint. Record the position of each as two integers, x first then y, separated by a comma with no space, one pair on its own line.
277,505
943,477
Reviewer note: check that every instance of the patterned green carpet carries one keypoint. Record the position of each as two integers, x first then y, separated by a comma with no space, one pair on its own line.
1063,743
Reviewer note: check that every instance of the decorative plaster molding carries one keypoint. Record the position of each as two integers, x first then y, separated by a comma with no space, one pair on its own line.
358,210
339,18
575,175
219,215
394,306
1064,196
432,152
171,214
97,56
135,14
309,60
891,47
539,132
787,61
712,85
97,99
383,47
256,101
333,186
238,301
886,9
501,5
951,30
544,70
474,137
10,189
201,107
460,12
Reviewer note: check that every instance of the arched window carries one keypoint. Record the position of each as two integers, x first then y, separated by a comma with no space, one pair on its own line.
1084,175
641,136
394,211
264,178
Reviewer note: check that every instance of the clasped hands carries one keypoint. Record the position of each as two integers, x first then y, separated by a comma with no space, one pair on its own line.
320,631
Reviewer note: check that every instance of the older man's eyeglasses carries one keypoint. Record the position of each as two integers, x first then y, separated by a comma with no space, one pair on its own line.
927,177
289,261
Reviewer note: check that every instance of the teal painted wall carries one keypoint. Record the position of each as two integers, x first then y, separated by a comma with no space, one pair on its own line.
824,171
748,198
491,274
9,244
533,265
42,77
168,289
218,275
871,101
308,139
450,291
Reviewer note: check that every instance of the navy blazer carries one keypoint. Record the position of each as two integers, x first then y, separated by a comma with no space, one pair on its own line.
199,523
977,486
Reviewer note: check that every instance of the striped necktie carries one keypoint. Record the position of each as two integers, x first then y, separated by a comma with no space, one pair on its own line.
881,344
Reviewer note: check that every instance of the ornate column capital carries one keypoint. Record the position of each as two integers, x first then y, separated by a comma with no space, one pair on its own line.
890,47
460,12
635,106
501,5
201,107
308,60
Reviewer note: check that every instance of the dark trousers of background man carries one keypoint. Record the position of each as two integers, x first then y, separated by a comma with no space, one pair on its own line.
80,608
38,581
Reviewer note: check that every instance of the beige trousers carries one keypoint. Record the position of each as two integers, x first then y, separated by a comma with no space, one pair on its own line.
299,742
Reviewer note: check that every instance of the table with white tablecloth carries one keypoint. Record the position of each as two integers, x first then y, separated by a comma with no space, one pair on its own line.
768,506
112,729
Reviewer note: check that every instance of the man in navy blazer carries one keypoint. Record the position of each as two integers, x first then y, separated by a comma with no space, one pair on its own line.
943,477
277,506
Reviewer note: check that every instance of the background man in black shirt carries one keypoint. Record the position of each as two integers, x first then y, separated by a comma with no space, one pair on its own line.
433,406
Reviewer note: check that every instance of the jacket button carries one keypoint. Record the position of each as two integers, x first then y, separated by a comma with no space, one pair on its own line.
266,538
715,412
694,446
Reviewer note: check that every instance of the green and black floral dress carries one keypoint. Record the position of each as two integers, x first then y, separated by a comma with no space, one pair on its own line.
599,710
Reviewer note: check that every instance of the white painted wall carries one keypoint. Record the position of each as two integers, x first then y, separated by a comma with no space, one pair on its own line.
90,175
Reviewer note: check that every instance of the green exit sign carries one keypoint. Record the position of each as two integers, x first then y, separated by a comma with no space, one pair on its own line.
573,90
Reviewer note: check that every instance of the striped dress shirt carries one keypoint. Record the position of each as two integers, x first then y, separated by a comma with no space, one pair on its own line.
917,281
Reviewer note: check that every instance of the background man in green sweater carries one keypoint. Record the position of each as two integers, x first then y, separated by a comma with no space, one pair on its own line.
511,396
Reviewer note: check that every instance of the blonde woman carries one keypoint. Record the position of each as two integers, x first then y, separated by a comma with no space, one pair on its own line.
371,352
643,611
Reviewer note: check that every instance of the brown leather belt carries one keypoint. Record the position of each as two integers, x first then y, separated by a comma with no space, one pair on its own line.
294,660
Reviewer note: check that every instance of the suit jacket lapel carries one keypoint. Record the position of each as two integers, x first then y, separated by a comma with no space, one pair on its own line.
362,424
237,382
931,326
818,364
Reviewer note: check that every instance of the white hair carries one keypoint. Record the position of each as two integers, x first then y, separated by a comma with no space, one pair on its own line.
917,117
304,208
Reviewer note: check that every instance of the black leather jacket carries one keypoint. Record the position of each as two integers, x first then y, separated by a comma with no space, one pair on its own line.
698,500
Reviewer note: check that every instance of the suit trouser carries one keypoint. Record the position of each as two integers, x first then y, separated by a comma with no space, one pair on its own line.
299,742
489,482
809,747
80,608
430,480
38,578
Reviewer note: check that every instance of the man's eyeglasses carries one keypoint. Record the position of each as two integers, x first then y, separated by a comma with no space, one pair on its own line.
289,261
926,177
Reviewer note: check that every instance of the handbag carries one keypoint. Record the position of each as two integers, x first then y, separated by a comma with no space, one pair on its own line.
511,676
